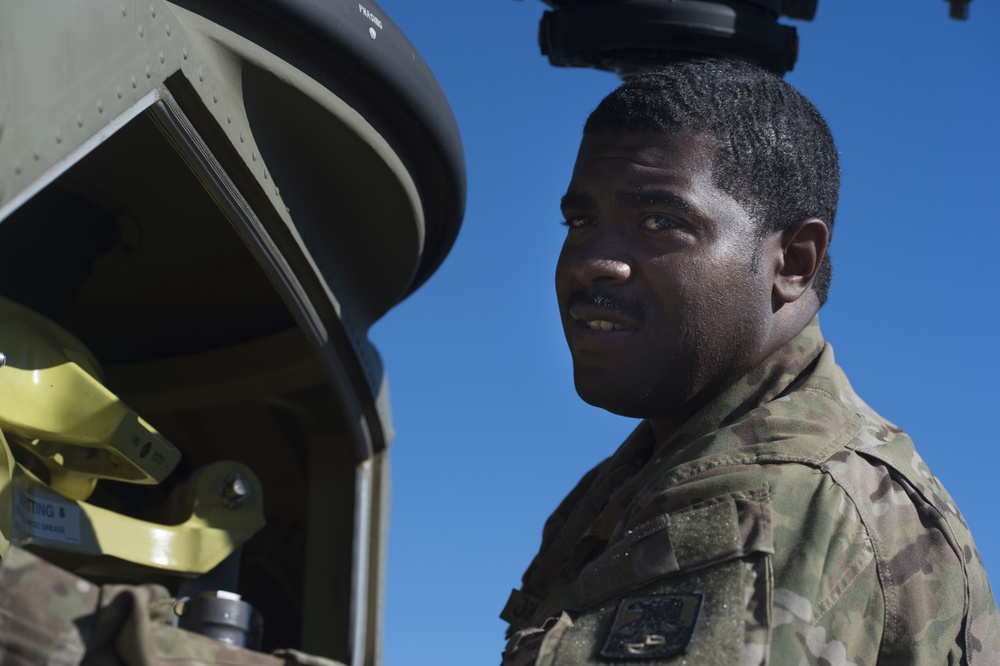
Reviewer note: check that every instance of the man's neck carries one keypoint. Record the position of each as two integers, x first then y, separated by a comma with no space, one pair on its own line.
787,325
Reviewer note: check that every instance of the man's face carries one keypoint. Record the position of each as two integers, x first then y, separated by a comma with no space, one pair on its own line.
663,295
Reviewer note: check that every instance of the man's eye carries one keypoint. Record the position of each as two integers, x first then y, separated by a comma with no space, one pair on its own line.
577,222
659,222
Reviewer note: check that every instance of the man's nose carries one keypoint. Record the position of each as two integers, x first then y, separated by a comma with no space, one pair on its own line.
602,262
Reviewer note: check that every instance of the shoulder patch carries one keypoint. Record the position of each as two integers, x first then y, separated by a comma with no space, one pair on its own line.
653,627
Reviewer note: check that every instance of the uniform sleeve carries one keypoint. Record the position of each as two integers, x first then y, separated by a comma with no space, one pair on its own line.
50,616
827,605
938,606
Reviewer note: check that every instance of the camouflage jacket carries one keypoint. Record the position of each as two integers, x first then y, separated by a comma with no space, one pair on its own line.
785,523
50,616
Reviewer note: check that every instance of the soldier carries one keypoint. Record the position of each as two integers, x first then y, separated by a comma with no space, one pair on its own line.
761,512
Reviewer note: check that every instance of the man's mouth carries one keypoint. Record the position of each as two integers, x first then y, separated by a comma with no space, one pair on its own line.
588,318
599,312
602,325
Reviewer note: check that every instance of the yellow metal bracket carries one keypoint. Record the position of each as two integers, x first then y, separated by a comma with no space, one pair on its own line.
223,507
55,406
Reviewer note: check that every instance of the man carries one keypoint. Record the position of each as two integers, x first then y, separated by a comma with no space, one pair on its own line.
761,512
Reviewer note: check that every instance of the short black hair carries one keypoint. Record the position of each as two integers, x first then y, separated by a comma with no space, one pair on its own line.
775,154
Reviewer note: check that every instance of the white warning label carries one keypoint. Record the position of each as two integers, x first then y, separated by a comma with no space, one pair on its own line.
46,518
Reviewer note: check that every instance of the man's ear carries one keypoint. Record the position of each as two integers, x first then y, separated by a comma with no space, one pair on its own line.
803,248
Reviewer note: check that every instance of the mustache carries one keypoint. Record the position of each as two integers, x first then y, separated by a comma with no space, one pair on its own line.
630,307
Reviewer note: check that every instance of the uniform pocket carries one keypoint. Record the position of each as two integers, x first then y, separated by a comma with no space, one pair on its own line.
692,586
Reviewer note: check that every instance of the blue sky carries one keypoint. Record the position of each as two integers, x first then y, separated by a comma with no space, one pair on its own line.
490,433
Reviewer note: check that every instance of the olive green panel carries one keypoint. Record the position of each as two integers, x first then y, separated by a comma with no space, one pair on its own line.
72,74
353,229
348,195
114,226
67,72
127,240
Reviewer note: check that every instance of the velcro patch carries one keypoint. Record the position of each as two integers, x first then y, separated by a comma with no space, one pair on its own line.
653,627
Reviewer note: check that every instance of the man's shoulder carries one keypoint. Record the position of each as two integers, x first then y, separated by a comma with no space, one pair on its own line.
827,459
817,449
816,438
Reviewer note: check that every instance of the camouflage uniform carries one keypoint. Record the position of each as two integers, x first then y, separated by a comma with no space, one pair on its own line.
784,523
49,616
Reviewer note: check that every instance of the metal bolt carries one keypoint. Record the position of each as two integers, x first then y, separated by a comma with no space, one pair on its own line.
234,491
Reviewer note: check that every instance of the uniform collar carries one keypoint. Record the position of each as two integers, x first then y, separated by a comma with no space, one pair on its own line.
780,372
